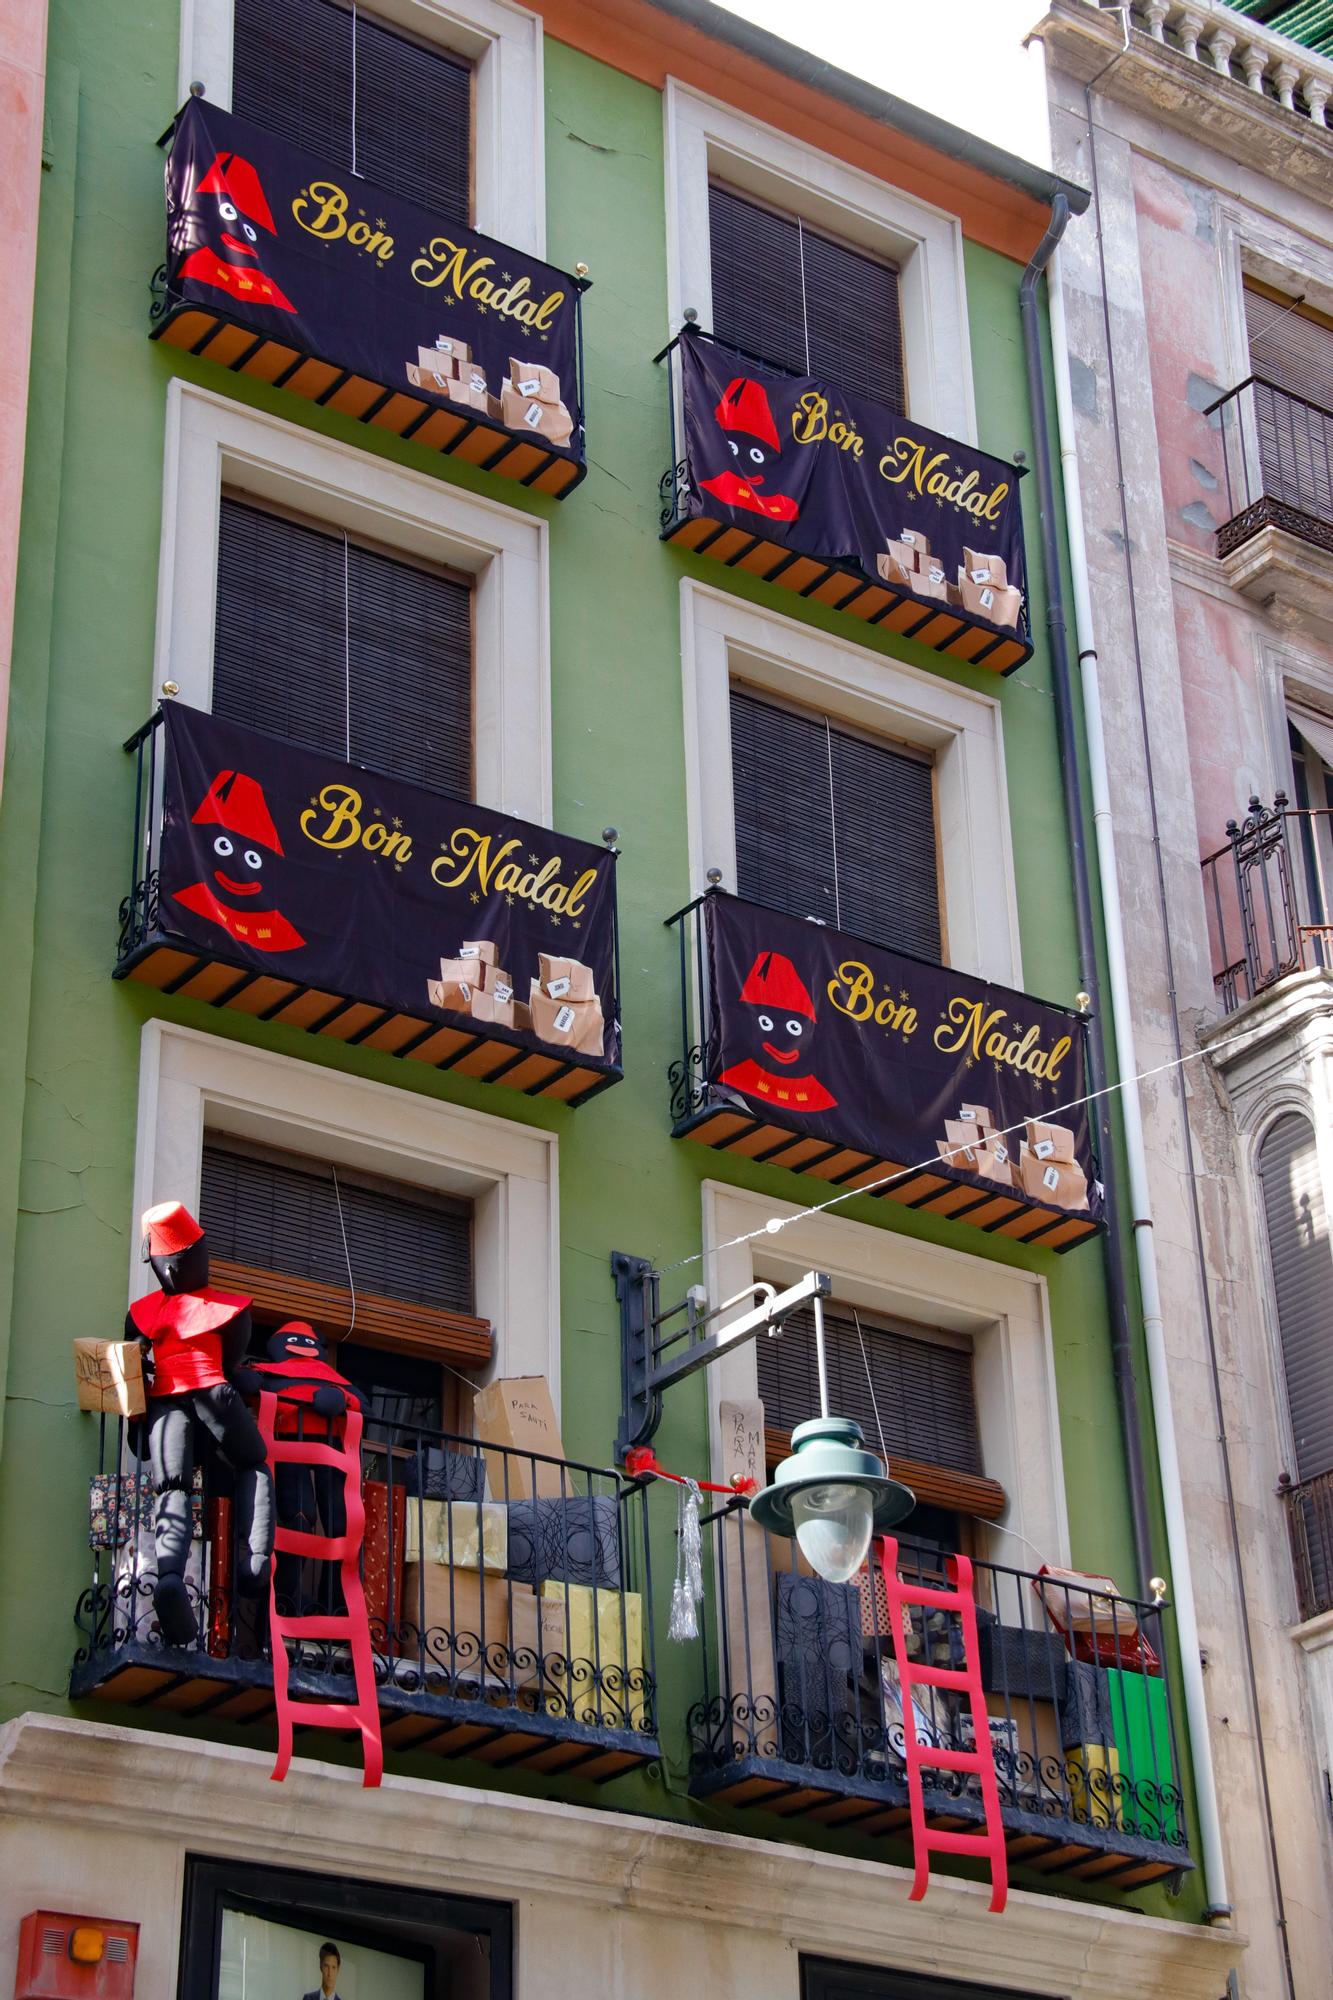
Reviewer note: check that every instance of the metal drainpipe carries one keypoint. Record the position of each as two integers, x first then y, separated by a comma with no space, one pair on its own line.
1214,1867
1122,1360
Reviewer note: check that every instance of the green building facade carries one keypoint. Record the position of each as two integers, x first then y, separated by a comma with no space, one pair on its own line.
602,665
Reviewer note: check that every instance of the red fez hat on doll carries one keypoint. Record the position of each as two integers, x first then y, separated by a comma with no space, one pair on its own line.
745,407
169,1228
238,803
237,179
774,982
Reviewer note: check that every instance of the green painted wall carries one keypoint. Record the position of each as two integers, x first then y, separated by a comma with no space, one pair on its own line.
69,1036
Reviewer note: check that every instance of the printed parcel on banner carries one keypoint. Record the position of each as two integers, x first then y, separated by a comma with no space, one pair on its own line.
285,861
903,1060
306,254
826,473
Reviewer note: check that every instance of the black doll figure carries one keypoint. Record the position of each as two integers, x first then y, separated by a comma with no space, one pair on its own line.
196,1335
782,1024
746,418
314,1396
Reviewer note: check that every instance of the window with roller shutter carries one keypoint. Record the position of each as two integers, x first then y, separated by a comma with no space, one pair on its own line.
910,1390
1299,1259
364,96
798,296
1291,351
379,1268
343,648
834,825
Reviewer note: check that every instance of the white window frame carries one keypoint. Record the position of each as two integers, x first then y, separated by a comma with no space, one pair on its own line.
706,139
1003,1310
504,45
191,1083
212,442
724,639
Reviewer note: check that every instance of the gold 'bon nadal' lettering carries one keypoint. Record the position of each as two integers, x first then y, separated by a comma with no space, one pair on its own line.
445,263
810,425
473,853
906,461
852,991
321,210
969,1026
344,826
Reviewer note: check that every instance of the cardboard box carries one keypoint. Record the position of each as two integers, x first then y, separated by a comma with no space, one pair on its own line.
438,1598
594,1639
516,1411
995,1162
977,1114
913,539
962,1132
530,378
482,948
551,421
574,1025
908,555
108,1377
447,352
523,1017
565,978
469,1534
979,599
1060,1183
895,572
1008,603
1049,1142
752,1672
457,982
930,582
984,568
486,1006
433,380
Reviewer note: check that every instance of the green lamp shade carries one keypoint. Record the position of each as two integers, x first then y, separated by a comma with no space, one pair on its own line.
832,1495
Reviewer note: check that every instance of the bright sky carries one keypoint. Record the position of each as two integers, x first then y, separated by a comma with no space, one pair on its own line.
962,59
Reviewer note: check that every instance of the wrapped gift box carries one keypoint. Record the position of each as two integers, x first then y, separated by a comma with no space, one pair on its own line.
571,1540
592,1654
1049,1142
1142,1731
111,1506
383,1555
530,378
517,1412
565,978
468,1534
576,1025
108,1376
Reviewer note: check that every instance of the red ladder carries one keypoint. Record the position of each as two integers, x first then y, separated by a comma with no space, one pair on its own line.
919,1756
342,1451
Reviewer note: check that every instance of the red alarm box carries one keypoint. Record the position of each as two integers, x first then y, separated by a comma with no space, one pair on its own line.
68,1958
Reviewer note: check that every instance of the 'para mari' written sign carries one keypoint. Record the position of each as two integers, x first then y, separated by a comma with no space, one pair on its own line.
930,530
895,1064
296,867
418,315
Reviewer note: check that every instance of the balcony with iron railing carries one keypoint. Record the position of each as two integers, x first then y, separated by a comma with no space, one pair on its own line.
508,1596
801,1714
1277,465
1309,1510
1269,900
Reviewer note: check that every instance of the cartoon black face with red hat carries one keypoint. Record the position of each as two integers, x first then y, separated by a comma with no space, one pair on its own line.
746,417
784,1028
224,219
246,837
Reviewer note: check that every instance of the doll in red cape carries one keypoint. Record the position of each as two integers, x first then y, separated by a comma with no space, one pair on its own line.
195,1336
752,439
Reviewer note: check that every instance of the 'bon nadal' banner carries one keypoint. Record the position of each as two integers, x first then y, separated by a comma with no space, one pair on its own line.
800,462
284,861
309,255
896,1058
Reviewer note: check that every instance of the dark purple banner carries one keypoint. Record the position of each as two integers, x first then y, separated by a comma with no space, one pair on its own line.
283,861
824,473
905,1061
336,268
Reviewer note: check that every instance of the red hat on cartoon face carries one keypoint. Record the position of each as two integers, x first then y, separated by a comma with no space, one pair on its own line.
238,804
169,1229
745,407
234,177
774,982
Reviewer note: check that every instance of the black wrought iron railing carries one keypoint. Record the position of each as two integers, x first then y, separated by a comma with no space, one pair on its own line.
1309,1506
506,1592
1277,458
803,1699
1269,899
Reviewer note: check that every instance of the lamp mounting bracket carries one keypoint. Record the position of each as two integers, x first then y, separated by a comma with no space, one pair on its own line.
648,1365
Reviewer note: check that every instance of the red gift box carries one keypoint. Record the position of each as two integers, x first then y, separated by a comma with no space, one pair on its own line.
384,1606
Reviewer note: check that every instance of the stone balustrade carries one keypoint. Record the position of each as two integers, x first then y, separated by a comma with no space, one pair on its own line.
1230,43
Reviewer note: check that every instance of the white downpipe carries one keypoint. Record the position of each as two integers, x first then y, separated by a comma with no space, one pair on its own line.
1145,1248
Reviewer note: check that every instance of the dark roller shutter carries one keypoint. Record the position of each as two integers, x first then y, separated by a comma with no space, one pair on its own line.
292,70
792,295
283,1215
1298,1247
1295,440
343,649
833,825
923,1389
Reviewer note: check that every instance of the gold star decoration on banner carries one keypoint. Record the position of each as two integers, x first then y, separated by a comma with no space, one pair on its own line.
510,901
556,922
533,859
577,925
396,823
475,897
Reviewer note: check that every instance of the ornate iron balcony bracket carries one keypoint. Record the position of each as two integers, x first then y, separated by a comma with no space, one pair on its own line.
645,1375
